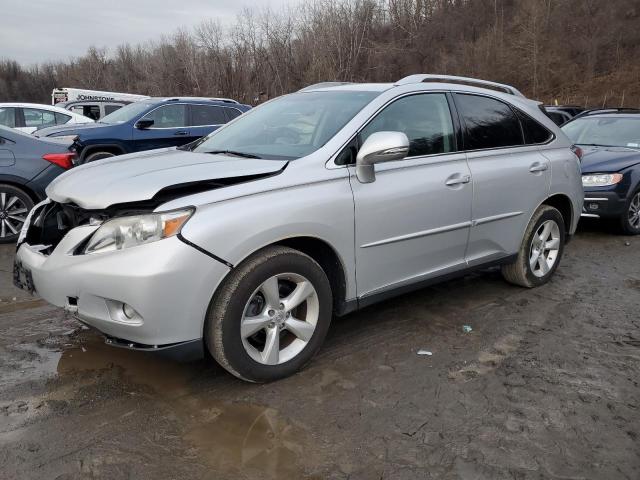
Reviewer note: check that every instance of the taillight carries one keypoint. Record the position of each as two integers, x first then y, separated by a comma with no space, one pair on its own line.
578,151
64,160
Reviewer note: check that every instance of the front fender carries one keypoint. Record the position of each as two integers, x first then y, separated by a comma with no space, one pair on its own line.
236,228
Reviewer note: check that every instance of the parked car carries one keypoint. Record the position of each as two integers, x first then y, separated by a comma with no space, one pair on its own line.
27,166
561,114
313,204
29,117
149,124
95,109
92,103
610,140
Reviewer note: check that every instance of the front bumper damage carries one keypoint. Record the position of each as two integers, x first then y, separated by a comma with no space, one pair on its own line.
167,283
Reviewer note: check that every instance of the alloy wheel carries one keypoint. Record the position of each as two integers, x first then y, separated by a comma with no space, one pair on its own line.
544,248
13,214
634,212
280,318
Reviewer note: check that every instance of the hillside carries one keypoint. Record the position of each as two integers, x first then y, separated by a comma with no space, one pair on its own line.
576,51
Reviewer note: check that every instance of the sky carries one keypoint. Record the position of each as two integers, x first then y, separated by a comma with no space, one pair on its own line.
35,31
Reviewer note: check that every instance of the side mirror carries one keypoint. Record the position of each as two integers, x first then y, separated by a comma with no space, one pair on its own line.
143,124
380,147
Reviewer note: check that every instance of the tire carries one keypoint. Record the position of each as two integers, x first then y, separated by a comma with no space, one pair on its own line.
630,219
521,272
234,313
15,204
92,157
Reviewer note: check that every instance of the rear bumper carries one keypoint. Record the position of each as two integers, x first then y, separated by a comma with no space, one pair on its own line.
603,204
168,283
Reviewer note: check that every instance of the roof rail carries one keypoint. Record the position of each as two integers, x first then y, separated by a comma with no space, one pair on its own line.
427,77
323,85
596,111
226,100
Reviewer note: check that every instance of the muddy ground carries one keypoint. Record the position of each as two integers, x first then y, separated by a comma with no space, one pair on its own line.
545,386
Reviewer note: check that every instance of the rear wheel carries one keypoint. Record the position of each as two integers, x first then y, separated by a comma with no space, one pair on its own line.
270,316
15,204
540,251
92,157
630,219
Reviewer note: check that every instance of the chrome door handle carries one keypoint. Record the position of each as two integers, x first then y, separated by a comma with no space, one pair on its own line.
457,179
181,133
538,167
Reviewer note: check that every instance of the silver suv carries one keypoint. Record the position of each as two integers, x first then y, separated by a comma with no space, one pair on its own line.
315,204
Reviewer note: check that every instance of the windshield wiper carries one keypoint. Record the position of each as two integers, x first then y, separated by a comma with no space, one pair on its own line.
234,153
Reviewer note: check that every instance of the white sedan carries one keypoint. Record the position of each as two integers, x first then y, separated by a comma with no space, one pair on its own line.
29,117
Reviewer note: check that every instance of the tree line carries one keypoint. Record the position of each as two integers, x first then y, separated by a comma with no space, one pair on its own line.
581,52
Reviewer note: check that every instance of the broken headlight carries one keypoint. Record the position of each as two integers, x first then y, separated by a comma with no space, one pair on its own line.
124,232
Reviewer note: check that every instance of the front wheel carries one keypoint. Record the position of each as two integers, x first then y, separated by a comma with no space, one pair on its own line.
15,205
630,219
540,251
270,316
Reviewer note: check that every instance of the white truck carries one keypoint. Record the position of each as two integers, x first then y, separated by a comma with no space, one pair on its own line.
94,104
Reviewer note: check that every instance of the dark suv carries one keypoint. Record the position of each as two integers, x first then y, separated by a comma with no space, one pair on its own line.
610,141
149,124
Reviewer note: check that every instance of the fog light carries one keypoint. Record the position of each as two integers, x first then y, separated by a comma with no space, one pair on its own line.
593,206
128,311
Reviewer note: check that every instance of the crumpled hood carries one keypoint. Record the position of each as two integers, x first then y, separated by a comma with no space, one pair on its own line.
608,159
140,176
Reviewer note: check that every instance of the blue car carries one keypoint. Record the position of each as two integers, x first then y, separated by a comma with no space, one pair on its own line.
149,124
610,144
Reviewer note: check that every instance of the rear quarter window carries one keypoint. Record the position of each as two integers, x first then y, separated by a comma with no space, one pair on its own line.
61,118
534,132
232,113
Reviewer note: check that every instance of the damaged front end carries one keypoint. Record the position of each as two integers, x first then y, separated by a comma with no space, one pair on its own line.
51,221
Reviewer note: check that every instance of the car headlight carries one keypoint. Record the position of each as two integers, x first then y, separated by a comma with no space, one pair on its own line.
124,232
601,179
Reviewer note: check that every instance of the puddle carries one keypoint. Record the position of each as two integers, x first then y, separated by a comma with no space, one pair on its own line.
167,377
241,438
229,437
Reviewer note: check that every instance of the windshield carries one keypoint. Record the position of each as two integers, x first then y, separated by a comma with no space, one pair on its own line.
126,113
605,131
289,127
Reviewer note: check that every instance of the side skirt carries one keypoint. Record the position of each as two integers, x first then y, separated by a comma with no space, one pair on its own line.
357,304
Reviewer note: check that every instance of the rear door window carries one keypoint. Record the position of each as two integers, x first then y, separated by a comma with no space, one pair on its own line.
168,116
203,115
34,117
489,123
424,118
8,116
